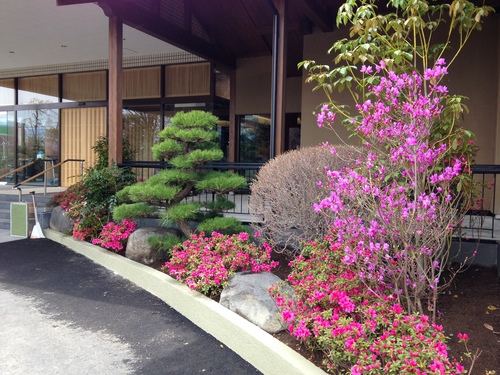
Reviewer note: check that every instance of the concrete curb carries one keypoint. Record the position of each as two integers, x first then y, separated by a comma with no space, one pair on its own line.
263,351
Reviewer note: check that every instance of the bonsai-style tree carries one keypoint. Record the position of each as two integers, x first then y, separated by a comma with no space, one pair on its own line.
187,145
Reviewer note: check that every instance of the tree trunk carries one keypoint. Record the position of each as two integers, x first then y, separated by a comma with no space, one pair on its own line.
184,227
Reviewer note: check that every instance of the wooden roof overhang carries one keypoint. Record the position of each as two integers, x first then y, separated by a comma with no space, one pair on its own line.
222,31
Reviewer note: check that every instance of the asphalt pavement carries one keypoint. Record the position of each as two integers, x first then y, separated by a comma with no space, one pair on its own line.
61,313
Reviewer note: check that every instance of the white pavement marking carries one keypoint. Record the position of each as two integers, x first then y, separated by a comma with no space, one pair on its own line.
32,342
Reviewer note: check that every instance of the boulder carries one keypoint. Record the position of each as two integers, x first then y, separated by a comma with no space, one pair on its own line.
60,222
138,248
247,295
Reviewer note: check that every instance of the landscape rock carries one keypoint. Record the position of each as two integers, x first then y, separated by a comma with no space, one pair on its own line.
248,296
60,222
138,248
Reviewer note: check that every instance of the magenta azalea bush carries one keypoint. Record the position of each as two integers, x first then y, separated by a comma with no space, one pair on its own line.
357,323
206,263
114,235
397,207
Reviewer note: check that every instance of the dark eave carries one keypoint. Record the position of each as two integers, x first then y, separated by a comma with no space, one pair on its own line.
223,31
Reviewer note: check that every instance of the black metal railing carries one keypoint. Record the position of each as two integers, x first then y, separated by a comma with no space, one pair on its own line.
480,220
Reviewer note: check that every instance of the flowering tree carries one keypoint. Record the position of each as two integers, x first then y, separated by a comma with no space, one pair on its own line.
405,195
400,202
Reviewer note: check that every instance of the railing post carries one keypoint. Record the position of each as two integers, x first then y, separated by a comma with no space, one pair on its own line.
81,168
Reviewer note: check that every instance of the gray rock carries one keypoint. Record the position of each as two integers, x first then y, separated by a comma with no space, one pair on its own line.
248,296
60,222
138,248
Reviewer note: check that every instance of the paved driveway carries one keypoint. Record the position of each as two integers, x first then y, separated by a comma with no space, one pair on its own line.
61,313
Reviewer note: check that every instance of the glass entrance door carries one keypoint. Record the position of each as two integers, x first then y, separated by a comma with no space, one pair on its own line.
37,140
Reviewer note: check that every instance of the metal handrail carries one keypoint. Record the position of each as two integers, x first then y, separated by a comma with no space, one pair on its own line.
17,170
44,172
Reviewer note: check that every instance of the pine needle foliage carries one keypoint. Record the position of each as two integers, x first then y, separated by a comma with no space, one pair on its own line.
188,144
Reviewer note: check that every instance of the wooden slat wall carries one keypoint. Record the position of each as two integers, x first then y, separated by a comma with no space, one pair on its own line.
187,80
46,85
85,86
141,83
80,128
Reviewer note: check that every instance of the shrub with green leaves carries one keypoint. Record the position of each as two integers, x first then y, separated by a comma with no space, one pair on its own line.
189,143
98,198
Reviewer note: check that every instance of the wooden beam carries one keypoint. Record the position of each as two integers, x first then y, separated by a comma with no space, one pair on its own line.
150,23
115,80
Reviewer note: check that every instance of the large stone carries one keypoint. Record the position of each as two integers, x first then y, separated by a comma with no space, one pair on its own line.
248,296
138,248
60,222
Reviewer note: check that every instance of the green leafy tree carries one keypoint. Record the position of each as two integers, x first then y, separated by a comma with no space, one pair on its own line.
188,144
407,36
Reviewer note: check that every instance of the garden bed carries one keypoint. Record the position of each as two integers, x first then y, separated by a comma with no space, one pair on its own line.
471,305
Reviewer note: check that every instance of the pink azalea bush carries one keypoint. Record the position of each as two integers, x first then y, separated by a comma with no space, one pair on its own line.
357,323
396,208
114,235
206,263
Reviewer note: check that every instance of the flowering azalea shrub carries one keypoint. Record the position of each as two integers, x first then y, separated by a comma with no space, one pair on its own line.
206,263
71,200
396,208
357,323
114,235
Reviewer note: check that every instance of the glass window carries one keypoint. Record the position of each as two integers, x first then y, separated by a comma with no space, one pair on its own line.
36,90
255,134
37,140
82,87
7,92
8,143
140,127
222,85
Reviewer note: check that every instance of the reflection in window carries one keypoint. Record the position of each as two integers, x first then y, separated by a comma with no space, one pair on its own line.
255,133
7,92
140,127
37,140
8,143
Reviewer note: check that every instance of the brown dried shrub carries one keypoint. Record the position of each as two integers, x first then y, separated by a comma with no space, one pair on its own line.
285,190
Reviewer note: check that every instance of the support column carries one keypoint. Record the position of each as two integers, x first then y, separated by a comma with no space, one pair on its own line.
281,6
233,131
115,84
